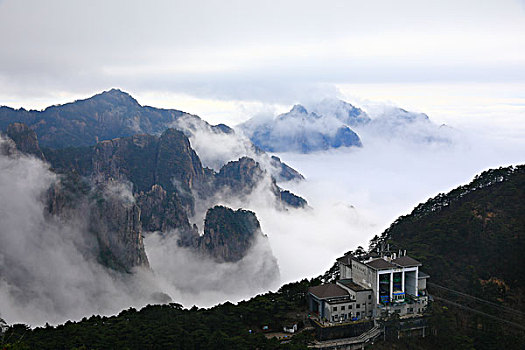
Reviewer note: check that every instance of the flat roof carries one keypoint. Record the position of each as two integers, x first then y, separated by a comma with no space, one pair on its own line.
406,261
352,285
380,264
422,274
330,290
345,259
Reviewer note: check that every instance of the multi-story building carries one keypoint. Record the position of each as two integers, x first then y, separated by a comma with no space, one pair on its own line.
341,301
372,286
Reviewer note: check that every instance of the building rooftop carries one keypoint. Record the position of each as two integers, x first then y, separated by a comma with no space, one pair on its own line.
380,264
406,261
423,275
346,259
330,290
352,285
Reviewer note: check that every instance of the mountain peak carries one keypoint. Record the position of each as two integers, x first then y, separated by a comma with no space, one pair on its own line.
298,109
115,95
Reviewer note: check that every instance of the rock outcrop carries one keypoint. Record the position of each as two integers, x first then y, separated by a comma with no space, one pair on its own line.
25,139
163,212
123,186
241,177
228,234
110,217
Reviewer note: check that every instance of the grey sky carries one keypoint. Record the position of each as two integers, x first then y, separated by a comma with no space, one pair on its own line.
268,51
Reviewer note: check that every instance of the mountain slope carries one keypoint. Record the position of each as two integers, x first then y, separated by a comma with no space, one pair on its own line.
105,116
472,238
115,114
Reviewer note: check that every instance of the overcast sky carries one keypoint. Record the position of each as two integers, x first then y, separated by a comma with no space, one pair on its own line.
221,57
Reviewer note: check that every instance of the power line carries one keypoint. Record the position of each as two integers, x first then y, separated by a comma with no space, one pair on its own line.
517,325
479,299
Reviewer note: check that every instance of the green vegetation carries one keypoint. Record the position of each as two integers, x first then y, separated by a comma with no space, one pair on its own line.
471,240
225,326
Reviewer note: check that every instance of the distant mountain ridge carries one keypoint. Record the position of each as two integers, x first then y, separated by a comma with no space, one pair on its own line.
299,131
107,115
116,114
333,123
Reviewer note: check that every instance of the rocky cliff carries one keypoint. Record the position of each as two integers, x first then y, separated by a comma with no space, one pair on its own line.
228,234
108,215
144,182
25,139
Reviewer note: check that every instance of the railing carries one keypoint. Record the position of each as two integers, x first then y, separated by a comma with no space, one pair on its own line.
360,339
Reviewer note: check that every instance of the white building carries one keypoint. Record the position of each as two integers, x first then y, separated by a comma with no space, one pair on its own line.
371,287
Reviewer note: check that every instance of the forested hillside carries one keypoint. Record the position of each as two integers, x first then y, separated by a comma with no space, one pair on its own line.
471,241
225,326
472,238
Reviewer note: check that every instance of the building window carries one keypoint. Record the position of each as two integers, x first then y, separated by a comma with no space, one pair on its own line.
334,308
358,306
350,307
369,296
342,308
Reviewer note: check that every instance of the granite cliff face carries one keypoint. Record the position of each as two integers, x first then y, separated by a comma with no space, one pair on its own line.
115,114
144,183
109,216
115,219
228,234
242,176
25,139
124,171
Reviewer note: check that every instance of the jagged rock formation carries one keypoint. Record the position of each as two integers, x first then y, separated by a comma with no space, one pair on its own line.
112,218
228,234
167,161
144,182
25,139
116,222
240,177
115,114
111,140
285,172
163,211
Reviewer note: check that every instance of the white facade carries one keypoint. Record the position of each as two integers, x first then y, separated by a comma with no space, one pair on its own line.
395,283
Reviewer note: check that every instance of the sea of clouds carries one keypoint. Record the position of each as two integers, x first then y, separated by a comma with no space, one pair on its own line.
353,194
